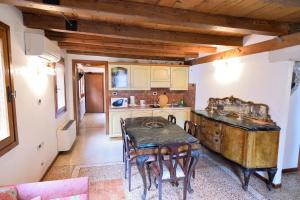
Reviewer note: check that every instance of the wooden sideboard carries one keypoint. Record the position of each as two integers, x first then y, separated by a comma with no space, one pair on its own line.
250,144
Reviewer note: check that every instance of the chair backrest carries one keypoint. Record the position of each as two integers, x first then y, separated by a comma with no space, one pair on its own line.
173,156
191,128
172,119
125,136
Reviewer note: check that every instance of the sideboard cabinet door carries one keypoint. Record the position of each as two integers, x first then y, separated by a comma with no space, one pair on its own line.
234,143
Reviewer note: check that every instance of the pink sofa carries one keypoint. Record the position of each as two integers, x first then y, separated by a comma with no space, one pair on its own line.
54,189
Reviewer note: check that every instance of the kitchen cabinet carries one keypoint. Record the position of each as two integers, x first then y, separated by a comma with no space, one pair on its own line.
160,77
114,122
181,116
162,113
119,77
144,77
179,78
115,115
140,77
142,113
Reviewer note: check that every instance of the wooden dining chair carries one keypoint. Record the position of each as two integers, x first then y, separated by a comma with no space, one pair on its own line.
172,166
129,153
172,119
192,129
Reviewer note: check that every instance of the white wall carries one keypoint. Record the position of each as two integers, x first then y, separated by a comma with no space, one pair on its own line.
251,78
292,144
36,123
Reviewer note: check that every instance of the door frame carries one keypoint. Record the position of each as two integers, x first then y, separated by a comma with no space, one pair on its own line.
103,82
93,63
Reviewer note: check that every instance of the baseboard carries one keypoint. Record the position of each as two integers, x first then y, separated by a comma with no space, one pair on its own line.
49,167
275,186
289,170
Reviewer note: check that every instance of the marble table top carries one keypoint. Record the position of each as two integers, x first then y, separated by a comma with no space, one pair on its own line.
144,136
244,123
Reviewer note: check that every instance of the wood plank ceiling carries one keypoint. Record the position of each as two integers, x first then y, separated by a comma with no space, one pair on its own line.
157,29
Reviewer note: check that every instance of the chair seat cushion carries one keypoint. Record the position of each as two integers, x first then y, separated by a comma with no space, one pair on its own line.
166,170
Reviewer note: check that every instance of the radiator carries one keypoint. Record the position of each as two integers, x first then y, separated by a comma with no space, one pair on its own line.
66,136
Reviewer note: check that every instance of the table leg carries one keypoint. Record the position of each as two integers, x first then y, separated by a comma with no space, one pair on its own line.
271,174
247,173
140,162
195,158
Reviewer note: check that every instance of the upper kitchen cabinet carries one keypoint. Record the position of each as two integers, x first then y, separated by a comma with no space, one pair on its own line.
119,77
140,77
160,77
179,78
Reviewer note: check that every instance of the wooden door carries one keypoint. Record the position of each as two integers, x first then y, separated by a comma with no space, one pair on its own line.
94,93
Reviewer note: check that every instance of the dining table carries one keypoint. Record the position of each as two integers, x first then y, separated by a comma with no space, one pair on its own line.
148,133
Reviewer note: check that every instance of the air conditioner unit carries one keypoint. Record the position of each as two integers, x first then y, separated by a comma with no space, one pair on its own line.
36,44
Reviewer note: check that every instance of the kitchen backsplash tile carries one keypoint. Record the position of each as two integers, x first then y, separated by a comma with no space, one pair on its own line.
147,95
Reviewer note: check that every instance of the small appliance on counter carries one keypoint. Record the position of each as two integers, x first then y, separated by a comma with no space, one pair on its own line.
142,103
132,101
119,102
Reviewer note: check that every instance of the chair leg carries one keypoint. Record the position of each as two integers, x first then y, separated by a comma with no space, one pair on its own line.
126,166
149,175
123,152
185,188
159,189
129,176
155,183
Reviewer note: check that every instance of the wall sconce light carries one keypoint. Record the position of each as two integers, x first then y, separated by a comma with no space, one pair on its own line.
227,71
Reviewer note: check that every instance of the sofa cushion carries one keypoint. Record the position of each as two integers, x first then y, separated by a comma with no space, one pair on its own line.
37,198
75,197
53,189
8,193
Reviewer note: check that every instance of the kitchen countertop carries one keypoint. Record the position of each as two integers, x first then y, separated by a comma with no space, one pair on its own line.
147,107
244,123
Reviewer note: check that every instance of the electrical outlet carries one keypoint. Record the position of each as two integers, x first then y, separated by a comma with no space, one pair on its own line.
154,93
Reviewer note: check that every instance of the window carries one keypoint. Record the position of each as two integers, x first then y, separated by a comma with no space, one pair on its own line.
81,89
60,90
8,128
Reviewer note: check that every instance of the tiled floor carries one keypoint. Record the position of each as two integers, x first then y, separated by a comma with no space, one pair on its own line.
92,146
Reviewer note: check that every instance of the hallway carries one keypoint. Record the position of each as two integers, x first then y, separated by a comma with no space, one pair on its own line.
92,147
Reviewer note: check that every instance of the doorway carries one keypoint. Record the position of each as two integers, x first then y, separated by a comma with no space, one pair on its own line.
90,89
94,92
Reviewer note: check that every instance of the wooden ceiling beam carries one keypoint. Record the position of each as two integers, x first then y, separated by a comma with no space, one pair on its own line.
270,45
295,3
112,42
155,17
124,55
128,51
127,32
173,53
